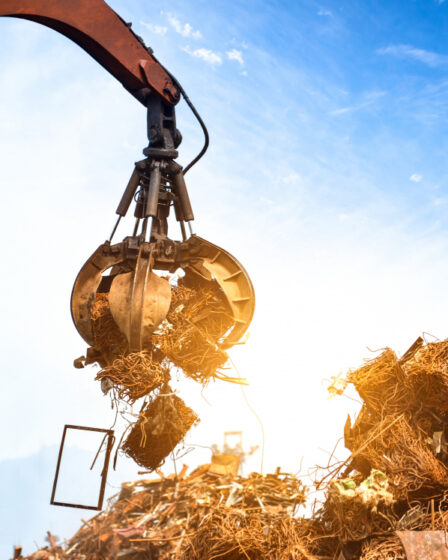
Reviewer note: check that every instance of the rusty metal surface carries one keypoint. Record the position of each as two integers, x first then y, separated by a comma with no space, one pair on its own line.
214,262
109,439
424,545
97,29
139,301
86,285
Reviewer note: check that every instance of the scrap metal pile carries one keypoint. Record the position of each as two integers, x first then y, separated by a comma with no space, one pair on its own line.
391,490
197,516
396,477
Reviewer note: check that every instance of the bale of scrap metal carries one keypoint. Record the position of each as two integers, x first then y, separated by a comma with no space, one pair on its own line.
161,426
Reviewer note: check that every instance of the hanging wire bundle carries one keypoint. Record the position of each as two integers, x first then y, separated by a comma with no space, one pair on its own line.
134,375
162,424
190,335
188,339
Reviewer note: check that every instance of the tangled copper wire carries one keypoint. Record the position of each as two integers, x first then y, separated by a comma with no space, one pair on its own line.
352,515
190,337
199,516
397,447
426,376
392,430
134,375
385,548
401,431
233,534
162,424
109,341
380,383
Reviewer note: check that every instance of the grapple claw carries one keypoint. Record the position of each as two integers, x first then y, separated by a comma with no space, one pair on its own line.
139,299
214,263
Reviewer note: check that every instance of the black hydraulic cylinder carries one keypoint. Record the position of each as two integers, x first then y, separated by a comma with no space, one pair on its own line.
129,193
182,193
152,200
178,210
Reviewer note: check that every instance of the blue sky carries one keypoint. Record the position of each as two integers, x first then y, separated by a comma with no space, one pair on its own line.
326,177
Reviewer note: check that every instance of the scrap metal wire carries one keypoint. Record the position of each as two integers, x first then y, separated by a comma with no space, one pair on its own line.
401,430
190,337
404,409
388,548
233,534
110,342
380,383
427,376
161,426
200,516
356,508
403,454
134,375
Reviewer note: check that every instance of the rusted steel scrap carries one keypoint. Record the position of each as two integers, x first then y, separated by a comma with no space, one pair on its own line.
389,499
202,515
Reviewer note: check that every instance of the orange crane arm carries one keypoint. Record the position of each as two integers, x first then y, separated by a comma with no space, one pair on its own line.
97,29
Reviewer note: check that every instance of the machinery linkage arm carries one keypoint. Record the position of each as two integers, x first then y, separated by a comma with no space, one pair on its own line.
97,29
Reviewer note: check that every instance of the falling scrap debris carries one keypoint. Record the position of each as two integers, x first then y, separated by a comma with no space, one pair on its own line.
388,496
187,340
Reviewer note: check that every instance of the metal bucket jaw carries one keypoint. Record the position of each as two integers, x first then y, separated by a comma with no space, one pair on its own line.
139,299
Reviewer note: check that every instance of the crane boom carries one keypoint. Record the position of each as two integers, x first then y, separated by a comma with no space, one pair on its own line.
100,31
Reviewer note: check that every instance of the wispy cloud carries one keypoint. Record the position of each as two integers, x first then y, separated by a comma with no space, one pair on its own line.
416,178
207,55
291,178
324,12
157,29
184,29
369,99
429,58
237,55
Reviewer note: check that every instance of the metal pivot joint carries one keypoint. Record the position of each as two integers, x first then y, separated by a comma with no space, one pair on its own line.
157,182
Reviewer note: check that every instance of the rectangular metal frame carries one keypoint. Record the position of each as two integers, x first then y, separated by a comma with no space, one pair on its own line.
110,443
